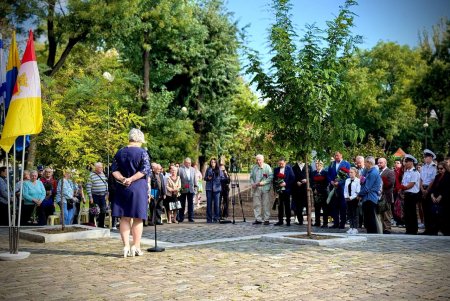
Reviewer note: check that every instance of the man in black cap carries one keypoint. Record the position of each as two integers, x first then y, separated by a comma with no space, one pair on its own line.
427,175
410,188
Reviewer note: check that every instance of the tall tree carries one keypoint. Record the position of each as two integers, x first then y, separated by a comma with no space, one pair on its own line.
382,81
307,86
432,91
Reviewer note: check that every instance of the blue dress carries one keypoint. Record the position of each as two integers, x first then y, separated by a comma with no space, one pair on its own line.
131,201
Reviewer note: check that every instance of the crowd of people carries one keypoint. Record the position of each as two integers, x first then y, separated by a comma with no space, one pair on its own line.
365,193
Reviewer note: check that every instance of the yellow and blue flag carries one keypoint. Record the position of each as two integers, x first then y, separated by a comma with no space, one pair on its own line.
24,116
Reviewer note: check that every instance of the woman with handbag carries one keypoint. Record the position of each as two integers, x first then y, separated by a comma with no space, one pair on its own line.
173,187
65,197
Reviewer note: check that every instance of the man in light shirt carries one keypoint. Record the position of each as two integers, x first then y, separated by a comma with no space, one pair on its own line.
410,188
261,179
427,175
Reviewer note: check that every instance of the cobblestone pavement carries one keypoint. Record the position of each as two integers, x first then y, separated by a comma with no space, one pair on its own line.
396,267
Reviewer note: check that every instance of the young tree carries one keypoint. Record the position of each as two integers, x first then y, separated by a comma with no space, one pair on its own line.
308,104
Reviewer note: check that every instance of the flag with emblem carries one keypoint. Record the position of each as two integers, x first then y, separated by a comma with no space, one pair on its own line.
24,115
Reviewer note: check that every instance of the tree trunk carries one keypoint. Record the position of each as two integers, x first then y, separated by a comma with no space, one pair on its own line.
51,34
72,42
146,74
308,196
32,152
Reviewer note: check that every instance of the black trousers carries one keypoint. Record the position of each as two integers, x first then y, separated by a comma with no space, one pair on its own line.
299,198
321,204
410,213
284,207
370,222
224,201
430,221
155,211
25,214
4,215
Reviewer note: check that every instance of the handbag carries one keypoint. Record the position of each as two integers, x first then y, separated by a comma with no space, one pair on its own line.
382,205
178,204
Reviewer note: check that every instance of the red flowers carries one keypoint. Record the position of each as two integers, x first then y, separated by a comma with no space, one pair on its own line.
265,175
186,185
280,175
344,169
319,178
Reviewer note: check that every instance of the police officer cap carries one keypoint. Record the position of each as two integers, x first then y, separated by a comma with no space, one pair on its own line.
428,153
409,157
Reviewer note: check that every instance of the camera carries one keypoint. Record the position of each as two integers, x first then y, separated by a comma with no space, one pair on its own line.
233,165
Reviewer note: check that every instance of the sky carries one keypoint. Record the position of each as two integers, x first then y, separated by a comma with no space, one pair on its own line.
387,20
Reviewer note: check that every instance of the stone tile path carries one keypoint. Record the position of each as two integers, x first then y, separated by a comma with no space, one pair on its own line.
396,267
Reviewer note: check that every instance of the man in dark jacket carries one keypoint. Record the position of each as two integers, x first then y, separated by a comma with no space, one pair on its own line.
283,178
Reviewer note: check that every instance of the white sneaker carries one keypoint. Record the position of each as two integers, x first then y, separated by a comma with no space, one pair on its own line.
114,228
350,231
355,231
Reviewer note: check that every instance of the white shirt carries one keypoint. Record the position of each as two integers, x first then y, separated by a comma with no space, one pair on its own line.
282,170
337,165
428,173
188,173
356,187
411,175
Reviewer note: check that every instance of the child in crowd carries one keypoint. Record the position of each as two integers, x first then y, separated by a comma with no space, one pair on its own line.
351,189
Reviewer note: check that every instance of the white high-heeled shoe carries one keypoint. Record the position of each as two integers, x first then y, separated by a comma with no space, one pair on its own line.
126,251
136,252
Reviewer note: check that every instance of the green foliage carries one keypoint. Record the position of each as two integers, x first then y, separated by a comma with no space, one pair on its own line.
432,91
172,136
382,80
307,88
78,130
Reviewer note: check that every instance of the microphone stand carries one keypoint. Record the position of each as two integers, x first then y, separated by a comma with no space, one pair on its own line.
155,248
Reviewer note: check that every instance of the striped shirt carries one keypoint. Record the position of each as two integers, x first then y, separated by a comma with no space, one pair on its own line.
97,184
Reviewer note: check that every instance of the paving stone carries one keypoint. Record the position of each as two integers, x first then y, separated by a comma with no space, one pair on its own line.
404,268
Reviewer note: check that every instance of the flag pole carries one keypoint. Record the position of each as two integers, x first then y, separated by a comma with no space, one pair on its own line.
16,250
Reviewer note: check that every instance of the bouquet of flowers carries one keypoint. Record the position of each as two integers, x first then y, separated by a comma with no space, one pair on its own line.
341,175
94,210
278,181
185,188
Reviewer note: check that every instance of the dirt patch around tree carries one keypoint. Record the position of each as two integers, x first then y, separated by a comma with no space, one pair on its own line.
312,236
59,230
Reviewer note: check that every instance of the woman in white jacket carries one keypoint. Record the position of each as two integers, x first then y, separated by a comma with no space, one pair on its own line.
352,187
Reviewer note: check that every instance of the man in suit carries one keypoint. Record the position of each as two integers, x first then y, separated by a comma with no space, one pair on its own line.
283,178
387,192
337,205
299,192
188,186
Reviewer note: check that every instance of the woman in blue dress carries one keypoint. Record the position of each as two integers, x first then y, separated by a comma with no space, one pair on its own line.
131,167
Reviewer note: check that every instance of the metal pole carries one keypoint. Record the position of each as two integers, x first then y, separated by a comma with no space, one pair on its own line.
107,143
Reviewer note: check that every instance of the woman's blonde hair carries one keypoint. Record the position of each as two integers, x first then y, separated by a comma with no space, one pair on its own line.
356,171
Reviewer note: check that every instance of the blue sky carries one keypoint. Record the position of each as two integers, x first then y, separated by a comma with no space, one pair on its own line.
387,20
